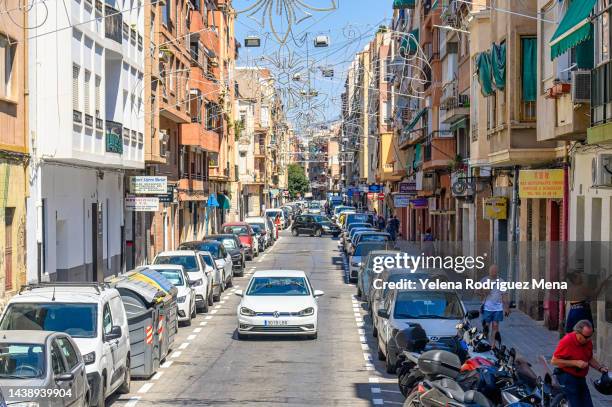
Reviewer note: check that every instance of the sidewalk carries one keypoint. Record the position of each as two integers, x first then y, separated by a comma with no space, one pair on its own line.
532,340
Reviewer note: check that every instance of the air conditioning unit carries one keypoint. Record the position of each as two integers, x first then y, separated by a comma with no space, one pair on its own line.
581,86
601,170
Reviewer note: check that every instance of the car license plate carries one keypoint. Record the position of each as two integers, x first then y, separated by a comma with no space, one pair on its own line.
275,323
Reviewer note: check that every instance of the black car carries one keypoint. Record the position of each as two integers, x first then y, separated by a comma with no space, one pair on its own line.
234,248
314,225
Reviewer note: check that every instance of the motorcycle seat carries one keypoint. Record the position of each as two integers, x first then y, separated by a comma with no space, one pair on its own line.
453,390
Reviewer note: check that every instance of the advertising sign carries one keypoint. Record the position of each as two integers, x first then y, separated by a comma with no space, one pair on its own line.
167,197
141,203
401,200
407,187
495,208
541,183
419,203
151,185
375,188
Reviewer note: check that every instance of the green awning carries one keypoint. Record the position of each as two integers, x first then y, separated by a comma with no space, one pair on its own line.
410,42
575,27
459,124
404,3
414,120
485,76
498,65
224,201
529,69
418,156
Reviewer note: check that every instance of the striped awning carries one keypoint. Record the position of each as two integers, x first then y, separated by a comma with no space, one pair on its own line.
574,28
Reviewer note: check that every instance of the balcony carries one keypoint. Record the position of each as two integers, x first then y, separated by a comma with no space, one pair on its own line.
113,23
259,151
438,152
518,145
453,105
601,100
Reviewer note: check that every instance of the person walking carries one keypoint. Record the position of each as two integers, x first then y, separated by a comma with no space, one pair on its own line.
380,223
572,359
393,227
495,303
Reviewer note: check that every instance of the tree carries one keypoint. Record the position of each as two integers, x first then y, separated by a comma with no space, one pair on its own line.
298,183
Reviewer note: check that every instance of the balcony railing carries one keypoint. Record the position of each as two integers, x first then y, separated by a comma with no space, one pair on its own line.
528,111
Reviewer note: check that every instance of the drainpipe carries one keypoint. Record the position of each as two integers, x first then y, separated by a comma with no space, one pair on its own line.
514,224
564,236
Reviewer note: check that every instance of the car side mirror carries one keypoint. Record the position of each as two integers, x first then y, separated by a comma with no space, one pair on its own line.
239,293
473,314
64,377
115,333
318,293
383,313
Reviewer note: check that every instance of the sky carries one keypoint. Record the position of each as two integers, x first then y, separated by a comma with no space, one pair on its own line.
349,27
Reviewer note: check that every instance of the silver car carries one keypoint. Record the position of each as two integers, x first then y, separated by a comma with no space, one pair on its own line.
43,368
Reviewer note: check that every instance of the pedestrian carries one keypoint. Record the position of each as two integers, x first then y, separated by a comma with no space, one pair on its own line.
495,303
580,295
572,359
428,236
277,221
380,223
393,227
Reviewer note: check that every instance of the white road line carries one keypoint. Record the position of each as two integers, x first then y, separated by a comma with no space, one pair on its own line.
359,319
361,331
378,402
363,339
197,330
208,317
359,324
184,345
167,364
236,286
145,388
203,323
375,389
191,337
176,354
365,346
214,311
157,376
373,380
226,297
217,306
132,401
222,302
367,357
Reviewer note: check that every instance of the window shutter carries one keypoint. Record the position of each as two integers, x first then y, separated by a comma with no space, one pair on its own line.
98,96
86,108
75,88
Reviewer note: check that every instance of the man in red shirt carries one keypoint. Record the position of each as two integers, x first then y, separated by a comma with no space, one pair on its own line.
572,358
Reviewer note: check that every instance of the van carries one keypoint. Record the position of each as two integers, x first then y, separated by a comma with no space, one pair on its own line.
93,315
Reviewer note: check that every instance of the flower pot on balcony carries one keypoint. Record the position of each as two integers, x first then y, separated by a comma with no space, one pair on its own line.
561,88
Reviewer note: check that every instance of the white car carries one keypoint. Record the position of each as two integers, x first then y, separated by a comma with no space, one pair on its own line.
186,297
265,225
200,274
278,302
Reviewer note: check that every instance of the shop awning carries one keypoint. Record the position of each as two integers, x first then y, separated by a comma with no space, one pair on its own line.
459,124
224,201
414,120
212,201
574,28
404,3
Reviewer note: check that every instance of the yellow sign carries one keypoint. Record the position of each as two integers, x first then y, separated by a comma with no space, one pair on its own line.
495,208
541,183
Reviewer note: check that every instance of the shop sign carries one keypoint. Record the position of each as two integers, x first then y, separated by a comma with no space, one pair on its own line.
168,197
141,203
375,188
541,183
149,185
407,187
401,200
419,203
495,208
381,196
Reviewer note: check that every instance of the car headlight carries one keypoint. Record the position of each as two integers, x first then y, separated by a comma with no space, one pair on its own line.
197,283
325,227
306,312
182,299
247,312
89,358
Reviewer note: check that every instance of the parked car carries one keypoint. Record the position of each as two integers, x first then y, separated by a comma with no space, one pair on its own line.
246,235
261,239
359,218
352,226
351,235
186,297
235,249
288,215
42,360
436,311
278,302
360,253
314,225
93,315
368,236
314,208
366,274
222,263
266,224
200,274
274,213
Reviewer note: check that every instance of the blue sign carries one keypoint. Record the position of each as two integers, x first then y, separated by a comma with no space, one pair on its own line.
375,188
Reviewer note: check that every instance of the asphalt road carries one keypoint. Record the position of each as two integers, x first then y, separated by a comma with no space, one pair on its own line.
209,366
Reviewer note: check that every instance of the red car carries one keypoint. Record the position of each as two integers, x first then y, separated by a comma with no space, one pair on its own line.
245,233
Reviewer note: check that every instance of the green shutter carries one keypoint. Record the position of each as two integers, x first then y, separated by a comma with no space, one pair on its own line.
574,28
585,54
397,4
414,120
483,68
417,156
498,63
528,69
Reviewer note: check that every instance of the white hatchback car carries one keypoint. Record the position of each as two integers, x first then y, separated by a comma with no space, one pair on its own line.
186,298
278,302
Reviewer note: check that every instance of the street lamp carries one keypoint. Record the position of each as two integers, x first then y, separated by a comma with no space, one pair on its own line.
252,42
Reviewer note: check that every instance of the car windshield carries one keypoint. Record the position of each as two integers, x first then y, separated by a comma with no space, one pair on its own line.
77,320
256,229
211,247
273,214
365,249
360,217
427,305
228,242
188,262
321,218
236,230
21,360
373,238
278,286
315,205
259,225
174,276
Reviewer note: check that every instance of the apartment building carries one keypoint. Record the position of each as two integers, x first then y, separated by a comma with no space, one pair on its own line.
86,132
14,154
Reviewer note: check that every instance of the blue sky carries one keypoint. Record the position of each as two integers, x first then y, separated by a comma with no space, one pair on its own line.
349,28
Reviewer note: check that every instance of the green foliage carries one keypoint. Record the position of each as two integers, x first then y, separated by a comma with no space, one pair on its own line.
298,182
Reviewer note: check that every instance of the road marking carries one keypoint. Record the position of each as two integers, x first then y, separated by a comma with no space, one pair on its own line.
363,339
208,317
367,356
176,354
217,306
214,311
359,324
203,323
157,376
191,337
361,331
365,346
145,388
222,302
197,330
184,345
375,389
359,319
132,401
167,364
226,297
378,402
236,286
373,380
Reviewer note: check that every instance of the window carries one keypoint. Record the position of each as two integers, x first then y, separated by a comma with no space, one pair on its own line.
265,116
69,353
166,13
98,95
7,59
76,105
107,320
57,362
491,111
86,92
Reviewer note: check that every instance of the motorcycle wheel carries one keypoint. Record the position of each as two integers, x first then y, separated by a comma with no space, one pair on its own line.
413,399
559,401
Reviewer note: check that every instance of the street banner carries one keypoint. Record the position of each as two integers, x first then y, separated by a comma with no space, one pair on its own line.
495,208
541,183
149,185
401,200
141,203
